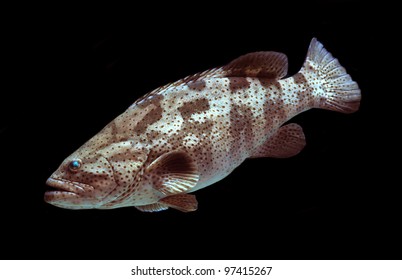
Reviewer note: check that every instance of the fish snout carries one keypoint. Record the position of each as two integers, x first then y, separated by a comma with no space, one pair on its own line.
58,184
67,194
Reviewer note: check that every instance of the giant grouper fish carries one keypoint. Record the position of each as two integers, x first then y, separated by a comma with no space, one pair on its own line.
189,134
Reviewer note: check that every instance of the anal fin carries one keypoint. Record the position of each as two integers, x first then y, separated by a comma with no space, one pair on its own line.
155,207
288,141
181,202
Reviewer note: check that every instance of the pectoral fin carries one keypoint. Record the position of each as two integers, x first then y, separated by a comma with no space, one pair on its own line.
287,142
173,173
182,202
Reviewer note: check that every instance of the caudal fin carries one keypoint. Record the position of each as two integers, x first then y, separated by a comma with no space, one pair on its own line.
334,89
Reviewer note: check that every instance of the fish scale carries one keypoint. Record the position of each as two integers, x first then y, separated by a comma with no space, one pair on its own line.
187,135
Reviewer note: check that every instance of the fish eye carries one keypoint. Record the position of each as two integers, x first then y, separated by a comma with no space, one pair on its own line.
75,165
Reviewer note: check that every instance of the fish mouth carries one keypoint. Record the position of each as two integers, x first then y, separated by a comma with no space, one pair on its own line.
61,188
68,194
62,185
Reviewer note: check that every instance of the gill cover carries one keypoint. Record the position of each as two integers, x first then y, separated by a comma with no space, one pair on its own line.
125,160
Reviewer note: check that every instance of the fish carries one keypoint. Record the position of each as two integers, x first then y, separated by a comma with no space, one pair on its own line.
192,133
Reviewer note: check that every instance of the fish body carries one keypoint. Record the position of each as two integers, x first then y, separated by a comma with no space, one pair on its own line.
192,133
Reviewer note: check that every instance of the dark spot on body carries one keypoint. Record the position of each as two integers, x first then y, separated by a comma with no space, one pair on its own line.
192,107
241,122
197,85
238,83
277,87
149,99
274,107
114,128
202,151
154,115
299,78
153,134
264,82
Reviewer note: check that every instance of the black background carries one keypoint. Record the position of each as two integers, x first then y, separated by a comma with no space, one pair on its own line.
74,70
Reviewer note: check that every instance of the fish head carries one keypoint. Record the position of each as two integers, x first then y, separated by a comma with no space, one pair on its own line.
90,179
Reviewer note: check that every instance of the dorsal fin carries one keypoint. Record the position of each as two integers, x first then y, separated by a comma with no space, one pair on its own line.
271,65
215,72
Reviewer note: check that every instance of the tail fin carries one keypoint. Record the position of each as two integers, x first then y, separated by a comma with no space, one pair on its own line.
336,90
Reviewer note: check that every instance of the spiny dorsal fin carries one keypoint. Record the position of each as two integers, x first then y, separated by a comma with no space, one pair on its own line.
272,65
288,141
173,173
215,72
183,202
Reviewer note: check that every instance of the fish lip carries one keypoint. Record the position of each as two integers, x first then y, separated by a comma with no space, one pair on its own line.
53,196
63,185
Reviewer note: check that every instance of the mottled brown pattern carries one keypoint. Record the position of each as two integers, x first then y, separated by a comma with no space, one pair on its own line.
274,109
241,128
154,115
238,83
299,78
281,109
268,109
192,107
197,85
202,131
145,101
198,128
124,192
265,82
302,92
211,121
153,134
